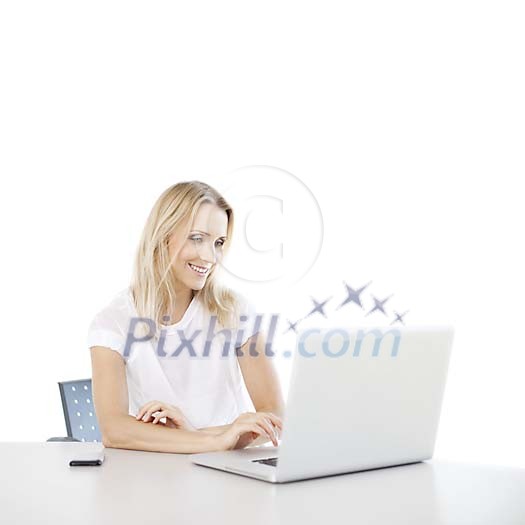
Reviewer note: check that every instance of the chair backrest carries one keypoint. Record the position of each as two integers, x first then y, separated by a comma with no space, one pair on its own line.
79,410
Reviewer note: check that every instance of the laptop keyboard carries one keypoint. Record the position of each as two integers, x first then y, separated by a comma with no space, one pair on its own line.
267,461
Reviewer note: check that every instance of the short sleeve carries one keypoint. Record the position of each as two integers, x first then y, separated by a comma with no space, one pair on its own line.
105,331
248,325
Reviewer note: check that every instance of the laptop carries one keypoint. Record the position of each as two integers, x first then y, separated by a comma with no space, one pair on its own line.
359,398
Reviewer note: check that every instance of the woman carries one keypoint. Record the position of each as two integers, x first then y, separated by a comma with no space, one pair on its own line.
159,350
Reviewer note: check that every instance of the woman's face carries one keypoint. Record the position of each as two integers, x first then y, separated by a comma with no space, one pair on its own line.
201,249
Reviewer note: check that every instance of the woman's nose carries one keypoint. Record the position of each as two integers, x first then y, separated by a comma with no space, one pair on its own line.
209,254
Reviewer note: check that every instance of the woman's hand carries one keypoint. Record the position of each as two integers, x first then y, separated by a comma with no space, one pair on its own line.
174,415
248,426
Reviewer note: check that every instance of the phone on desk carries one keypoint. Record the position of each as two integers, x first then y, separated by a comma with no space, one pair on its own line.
89,458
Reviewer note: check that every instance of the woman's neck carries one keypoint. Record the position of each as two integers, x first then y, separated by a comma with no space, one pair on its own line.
182,302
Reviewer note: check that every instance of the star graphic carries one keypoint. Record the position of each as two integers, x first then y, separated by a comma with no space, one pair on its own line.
317,308
292,326
399,317
379,305
353,295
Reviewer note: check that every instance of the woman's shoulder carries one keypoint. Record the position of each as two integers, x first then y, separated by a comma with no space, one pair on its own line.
117,312
109,325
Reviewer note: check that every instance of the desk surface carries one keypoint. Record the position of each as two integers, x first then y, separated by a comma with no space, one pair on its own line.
39,486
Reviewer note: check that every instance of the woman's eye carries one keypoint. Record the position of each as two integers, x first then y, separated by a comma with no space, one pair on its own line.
220,243
196,238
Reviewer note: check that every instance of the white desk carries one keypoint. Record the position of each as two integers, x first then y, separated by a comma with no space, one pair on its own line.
39,486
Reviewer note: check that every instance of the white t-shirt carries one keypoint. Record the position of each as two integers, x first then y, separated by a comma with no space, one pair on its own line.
209,389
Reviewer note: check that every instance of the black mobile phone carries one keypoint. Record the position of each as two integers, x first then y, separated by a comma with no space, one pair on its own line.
85,462
87,459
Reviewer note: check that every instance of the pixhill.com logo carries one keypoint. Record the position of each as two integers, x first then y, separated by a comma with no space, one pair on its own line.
334,342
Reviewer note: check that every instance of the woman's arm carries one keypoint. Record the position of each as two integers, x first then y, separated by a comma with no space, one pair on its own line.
261,379
119,429
128,433
214,431
260,376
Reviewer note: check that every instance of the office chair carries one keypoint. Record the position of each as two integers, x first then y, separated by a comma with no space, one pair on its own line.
79,411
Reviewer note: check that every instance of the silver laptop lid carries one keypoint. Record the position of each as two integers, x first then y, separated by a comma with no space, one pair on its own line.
363,397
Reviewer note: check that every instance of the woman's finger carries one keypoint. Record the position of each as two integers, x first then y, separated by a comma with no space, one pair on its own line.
276,430
141,411
144,408
265,431
254,427
266,424
159,416
146,415
242,428
277,421
151,410
268,432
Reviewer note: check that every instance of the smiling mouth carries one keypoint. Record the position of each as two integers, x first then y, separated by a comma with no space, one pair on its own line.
198,269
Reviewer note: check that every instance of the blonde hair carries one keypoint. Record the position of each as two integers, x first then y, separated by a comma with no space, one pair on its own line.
152,282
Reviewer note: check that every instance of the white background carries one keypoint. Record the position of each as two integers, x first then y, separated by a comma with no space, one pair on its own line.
404,119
